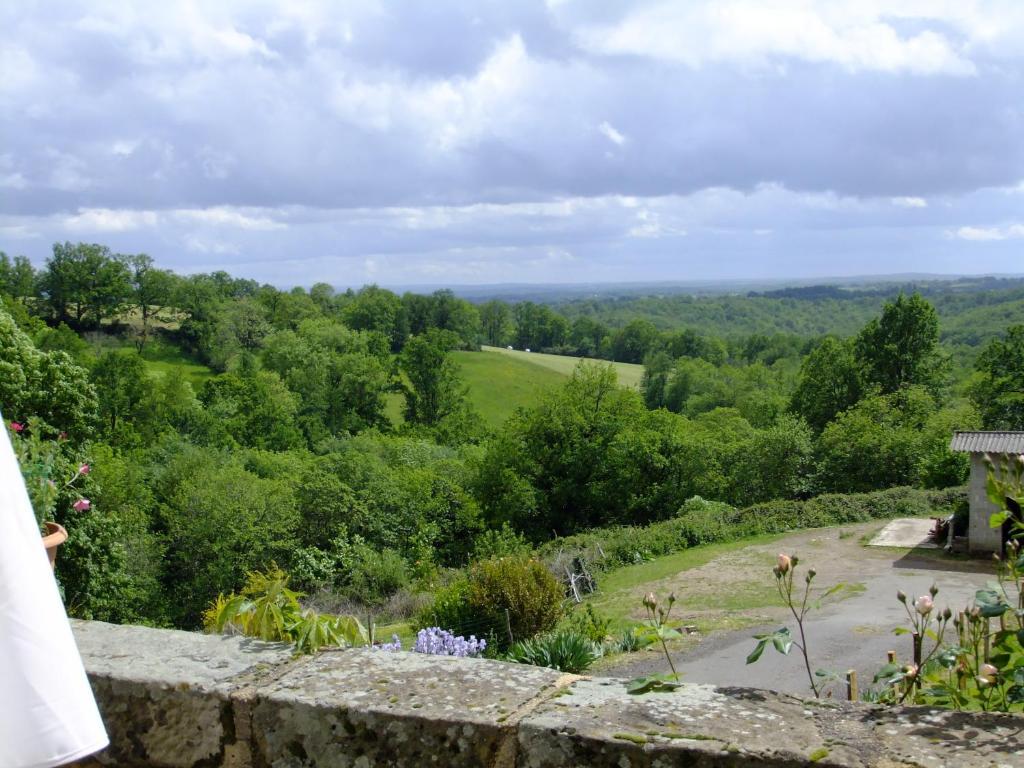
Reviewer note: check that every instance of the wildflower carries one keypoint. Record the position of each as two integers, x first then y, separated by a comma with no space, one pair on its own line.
923,605
81,505
16,426
783,563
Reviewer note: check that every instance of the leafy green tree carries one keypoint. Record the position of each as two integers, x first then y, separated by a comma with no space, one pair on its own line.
152,290
901,348
222,522
882,441
435,389
17,277
830,382
496,322
588,337
657,369
377,309
253,408
538,326
450,313
777,463
998,392
84,284
632,343
121,383
560,449
240,328
46,388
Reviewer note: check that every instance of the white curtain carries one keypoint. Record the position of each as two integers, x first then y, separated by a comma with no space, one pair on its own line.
48,715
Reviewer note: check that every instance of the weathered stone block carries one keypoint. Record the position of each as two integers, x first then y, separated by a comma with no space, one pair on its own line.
165,695
596,723
362,708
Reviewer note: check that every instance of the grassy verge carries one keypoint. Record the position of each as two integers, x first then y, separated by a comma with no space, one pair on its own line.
630,374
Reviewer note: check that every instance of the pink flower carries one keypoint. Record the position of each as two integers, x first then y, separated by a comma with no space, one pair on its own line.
924,605
16,427
783,563
84,469
81,505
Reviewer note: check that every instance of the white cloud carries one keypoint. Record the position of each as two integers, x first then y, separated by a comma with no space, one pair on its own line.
223,216
854,36
608,130
108,220
909,202
1008,232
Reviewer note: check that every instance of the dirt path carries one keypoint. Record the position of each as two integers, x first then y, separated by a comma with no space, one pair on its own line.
852,632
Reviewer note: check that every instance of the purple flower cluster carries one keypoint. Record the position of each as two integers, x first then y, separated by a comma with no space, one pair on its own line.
438,642
441,642
394,645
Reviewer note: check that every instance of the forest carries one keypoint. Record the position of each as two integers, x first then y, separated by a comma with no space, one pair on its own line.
230,427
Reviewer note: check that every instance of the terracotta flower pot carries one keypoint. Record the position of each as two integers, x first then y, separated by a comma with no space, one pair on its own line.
55,536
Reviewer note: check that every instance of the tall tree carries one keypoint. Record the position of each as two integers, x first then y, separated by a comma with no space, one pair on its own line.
151,291
998,392
901,348
496,322
435,389
84,284
17,277
121,383
830,382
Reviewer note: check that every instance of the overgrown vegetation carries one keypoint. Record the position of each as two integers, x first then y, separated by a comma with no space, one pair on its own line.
231,425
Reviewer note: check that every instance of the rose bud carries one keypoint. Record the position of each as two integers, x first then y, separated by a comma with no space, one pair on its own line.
933,590
901,596
783,563
947,614
988,672
923,605
650,601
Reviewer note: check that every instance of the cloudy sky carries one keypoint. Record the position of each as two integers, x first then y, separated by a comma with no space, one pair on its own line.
449,142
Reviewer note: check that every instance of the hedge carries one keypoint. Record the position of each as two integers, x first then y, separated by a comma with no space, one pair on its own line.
700,521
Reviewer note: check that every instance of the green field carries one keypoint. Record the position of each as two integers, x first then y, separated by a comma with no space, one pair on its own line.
499,384
630,374
165,359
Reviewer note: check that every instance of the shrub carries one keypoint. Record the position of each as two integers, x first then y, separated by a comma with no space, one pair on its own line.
589,623
477,603
566,651
704,522
375,576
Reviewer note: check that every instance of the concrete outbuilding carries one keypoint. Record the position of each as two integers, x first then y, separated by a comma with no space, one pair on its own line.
999,446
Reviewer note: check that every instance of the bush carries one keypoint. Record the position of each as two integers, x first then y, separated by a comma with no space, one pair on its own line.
375,576
477,603
704,522
566,651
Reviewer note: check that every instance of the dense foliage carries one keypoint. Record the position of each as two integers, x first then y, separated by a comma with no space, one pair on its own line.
231,425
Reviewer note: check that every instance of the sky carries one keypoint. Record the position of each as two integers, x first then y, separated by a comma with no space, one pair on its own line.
480,142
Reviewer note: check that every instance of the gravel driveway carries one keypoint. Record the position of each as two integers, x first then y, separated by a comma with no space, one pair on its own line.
853,633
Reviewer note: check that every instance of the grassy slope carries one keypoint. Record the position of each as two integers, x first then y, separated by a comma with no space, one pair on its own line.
629,373
499,384
166,359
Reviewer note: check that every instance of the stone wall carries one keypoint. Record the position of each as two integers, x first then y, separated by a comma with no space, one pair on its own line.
174,699
980,536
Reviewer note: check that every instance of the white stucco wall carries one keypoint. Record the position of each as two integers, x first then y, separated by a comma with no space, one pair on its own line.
981,538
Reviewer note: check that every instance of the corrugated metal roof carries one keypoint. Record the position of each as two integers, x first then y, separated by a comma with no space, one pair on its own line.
988,442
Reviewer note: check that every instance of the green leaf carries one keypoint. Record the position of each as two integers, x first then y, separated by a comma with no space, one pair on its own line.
652,684
901,631
782,641
758,650
887,671
835,588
